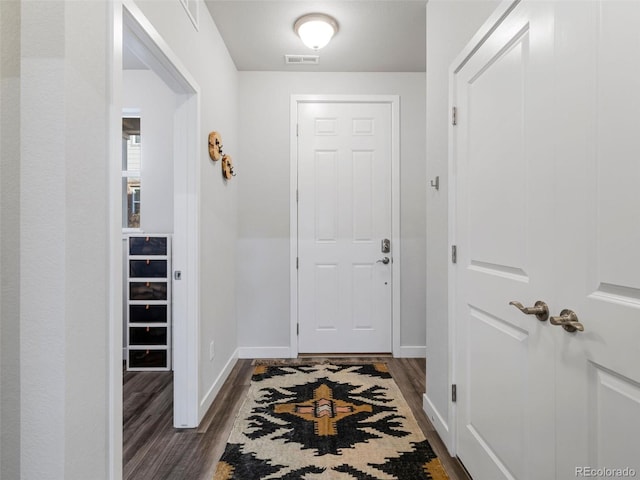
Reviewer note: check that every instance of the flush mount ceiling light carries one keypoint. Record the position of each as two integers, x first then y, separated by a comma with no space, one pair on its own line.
316,29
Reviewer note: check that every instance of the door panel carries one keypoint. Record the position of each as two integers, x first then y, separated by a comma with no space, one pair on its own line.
327,296
344,212
363,164
617,174
363,288
615,414
614,182
497,165
497,411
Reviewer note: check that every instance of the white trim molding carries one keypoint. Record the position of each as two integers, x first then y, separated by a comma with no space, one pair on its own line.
264,352
437,421
115,327
192,9
213,391
394,102
408,351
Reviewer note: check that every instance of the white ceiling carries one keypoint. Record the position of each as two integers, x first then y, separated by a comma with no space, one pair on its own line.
373,36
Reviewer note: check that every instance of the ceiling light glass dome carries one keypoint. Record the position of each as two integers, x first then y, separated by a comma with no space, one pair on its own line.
316,29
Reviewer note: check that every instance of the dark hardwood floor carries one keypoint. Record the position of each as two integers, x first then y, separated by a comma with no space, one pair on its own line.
154,450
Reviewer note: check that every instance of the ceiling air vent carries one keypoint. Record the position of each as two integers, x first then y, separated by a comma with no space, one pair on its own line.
301,59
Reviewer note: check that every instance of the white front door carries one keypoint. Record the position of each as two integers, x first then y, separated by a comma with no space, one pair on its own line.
547,209
344,216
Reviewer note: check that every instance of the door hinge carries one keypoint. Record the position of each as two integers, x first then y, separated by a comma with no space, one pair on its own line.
297,329
297,196
454,393
297,134
454,116
454,254
297,262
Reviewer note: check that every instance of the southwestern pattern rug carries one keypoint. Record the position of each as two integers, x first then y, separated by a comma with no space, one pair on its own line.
326,421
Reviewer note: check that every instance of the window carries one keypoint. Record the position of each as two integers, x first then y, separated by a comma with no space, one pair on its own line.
131,159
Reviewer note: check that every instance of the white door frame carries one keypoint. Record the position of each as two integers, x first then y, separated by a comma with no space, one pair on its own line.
150,46
114,171
394,102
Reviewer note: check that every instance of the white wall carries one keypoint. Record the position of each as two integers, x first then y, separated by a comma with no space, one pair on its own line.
9,239
55,218
450,25
263,178
61,249
145,91
205,56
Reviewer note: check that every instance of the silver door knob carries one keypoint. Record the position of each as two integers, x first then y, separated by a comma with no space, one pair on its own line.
540,309
384,260
567,320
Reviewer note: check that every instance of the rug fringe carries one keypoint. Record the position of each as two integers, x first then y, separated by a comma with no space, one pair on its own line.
317,361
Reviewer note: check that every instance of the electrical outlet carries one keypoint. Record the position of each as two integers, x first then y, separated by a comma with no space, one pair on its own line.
211,351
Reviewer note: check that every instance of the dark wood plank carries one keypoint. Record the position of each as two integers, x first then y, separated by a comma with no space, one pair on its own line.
154,450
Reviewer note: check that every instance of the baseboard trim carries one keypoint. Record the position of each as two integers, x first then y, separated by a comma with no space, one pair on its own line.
285,352
413,352
208,399
264,352
439,423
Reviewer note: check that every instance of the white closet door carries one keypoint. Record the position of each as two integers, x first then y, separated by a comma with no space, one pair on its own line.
548,208
597,235
504,163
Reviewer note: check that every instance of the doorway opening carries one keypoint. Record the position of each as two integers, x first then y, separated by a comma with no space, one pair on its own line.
165,198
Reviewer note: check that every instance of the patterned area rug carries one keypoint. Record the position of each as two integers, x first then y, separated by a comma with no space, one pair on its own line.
326,422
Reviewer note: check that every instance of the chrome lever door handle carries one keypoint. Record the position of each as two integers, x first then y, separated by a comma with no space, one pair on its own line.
540,309
568,320
384,260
